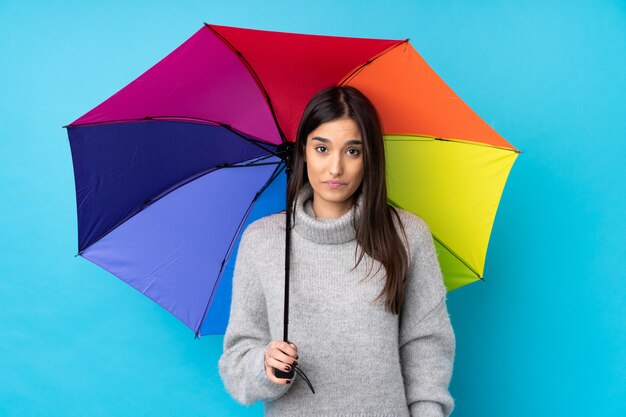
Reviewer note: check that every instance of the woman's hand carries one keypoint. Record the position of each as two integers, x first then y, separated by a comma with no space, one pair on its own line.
280,355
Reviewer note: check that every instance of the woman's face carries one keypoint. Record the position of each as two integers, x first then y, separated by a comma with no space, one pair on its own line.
334,163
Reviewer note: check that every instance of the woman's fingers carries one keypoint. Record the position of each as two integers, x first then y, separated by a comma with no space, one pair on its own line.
282,366
280,355
292,350
270,365
283,351
269,373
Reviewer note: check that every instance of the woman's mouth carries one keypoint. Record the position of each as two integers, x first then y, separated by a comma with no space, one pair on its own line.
334,184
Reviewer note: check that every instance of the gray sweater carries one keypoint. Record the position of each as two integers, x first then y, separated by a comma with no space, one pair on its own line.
362,360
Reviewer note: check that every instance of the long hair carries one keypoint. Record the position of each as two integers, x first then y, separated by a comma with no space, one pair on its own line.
375,231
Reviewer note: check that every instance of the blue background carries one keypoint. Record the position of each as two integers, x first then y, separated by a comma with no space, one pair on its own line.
543,336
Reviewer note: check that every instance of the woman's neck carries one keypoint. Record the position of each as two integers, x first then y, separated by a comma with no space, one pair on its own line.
330,210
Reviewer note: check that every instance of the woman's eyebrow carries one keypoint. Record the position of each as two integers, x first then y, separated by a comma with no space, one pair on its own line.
350,142
321,139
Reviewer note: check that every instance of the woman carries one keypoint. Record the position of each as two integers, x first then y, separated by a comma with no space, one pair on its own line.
368,316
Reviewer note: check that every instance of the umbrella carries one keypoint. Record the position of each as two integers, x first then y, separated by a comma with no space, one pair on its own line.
171,168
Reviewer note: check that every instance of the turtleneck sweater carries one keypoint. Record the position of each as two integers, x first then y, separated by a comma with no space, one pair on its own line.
361,359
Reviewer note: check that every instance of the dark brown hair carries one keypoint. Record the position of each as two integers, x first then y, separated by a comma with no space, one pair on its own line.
375,231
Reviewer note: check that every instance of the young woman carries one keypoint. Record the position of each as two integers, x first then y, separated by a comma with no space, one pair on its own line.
368,316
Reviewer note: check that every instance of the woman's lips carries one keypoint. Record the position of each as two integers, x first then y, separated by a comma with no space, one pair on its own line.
334,185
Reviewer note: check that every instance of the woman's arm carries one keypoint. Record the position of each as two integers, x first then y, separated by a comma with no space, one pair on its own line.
242,366
427,341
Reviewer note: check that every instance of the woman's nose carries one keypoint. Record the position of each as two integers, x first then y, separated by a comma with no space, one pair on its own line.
336,166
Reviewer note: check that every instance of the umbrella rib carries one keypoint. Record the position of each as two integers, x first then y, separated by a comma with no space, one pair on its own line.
251,164
255,77
461,141
255,142
446,247
250,138
360,68
458,257
244,218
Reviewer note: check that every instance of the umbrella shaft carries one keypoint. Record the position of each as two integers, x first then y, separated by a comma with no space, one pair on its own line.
287,253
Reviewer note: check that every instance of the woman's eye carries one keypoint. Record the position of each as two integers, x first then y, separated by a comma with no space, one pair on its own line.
320,148
354,151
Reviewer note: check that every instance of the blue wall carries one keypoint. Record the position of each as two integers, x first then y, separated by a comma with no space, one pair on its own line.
543,336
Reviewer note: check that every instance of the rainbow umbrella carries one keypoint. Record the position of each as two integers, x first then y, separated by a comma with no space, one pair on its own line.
171,168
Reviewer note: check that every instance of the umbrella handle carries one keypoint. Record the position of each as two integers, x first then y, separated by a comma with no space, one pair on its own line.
282,374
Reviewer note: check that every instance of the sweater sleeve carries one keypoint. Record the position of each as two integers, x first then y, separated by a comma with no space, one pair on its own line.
427,341
241,365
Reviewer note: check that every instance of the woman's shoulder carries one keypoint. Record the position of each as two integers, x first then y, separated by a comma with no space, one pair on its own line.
266,227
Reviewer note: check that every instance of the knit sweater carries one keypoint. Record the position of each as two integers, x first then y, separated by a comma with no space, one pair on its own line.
361,359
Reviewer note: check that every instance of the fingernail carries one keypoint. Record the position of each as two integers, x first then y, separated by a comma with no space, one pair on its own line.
295,363
287,368
288,381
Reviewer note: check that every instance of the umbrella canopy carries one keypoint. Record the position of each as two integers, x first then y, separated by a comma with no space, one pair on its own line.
170,168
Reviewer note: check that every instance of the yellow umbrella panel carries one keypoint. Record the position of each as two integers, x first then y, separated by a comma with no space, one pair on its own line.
455,187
